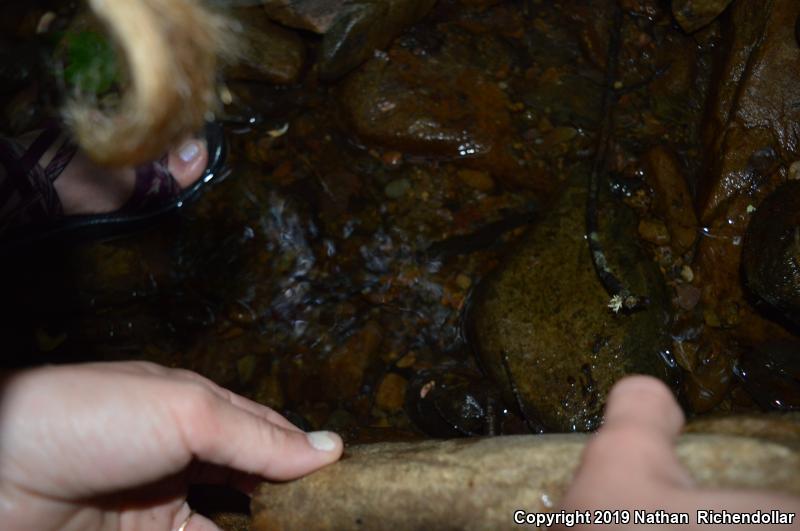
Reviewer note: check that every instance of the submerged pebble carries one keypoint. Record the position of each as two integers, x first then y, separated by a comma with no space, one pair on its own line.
397,188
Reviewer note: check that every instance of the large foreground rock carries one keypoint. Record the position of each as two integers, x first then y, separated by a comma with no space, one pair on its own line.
362,28
477,484
545,311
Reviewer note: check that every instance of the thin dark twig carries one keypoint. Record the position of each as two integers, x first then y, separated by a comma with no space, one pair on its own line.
621,297
520,404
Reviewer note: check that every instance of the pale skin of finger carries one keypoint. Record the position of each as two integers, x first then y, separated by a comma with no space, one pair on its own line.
220,433
73,438
631,464
237,400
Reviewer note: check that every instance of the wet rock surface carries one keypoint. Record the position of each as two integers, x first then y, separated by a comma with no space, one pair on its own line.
771,254
312,15
352,31
753,127
448,402
693,15
361,28
476,484
673,199
770,372
432,106
271,53
750,137
542,325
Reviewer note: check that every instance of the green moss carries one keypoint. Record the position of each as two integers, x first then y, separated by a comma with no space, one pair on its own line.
91,63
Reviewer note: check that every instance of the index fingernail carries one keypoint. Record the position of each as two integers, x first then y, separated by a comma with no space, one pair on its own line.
322,441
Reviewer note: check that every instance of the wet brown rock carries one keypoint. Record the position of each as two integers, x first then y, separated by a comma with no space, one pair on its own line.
480,180
313,15
593,19
446,402
271,53
688,296
755,107
345,368
770,373
547,312
708,382
476,484
363,27
352,30
675,94
572,99
751,135
643,8
425,107
693,15
653,231
673,202
391,393
558,136
432,106
771,254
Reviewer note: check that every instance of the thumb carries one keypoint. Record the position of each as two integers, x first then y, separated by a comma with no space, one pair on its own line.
642,422
634,449
646,405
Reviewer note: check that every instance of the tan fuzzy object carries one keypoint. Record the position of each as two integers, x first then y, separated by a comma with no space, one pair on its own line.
172,49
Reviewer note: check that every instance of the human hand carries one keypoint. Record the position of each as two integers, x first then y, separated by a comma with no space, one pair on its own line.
631,464
114,446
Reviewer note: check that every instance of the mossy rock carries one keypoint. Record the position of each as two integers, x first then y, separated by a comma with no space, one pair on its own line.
545,311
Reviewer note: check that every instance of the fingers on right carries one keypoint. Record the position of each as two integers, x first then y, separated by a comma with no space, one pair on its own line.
643,403
637,439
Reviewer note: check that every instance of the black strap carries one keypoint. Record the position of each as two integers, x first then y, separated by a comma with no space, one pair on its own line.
37,150
19,168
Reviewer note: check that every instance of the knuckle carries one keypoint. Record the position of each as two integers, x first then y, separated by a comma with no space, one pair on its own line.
199,419
199,404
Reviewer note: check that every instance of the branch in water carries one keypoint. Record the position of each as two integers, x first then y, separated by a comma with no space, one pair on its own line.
621,297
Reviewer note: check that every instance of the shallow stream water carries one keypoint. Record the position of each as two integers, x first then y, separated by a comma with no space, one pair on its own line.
328,275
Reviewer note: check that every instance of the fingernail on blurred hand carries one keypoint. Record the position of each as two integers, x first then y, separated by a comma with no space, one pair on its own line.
324,441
